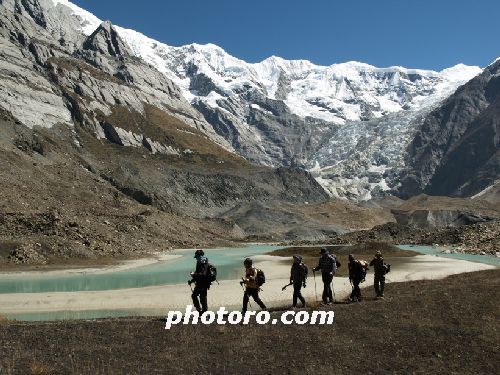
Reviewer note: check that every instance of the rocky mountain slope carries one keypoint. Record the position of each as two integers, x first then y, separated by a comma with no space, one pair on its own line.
464,224
350,123
55,209
47,63
93,85
102,156
456,151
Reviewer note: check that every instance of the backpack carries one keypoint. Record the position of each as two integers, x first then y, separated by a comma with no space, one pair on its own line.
336,263
211,273
387,268
261,278
363,269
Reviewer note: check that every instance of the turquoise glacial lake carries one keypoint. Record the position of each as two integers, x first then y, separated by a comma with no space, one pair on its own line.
229,263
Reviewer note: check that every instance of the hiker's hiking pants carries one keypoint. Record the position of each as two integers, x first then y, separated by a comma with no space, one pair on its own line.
296,294
327,288
254,293
199,296
379,283
356,292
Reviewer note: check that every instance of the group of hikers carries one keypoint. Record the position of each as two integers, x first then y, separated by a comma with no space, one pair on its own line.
205,274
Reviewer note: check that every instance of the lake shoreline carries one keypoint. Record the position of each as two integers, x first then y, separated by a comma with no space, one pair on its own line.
161,298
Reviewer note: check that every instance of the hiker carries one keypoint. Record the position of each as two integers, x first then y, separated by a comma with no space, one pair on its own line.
380,269
357,274
298,277
328,265
202,283
252,283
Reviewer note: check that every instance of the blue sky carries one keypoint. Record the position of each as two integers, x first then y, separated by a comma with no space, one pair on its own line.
416,34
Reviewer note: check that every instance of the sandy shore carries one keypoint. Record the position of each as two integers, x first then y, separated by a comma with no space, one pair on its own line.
122,266
157,300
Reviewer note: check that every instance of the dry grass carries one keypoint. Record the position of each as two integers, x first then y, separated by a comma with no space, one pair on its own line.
347,214
3,320
39,368
72,64
427,202
448,326
163,127
187,137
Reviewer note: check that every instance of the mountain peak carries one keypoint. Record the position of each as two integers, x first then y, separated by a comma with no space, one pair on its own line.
106,40
461,72
106,25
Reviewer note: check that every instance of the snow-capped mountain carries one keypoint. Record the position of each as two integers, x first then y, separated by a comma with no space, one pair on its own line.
247,103
338,93
349,123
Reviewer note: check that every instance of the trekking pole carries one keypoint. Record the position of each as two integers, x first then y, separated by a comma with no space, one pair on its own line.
315,292
333,290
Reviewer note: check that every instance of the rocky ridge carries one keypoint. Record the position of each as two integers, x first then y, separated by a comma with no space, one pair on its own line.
52,74
481,238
